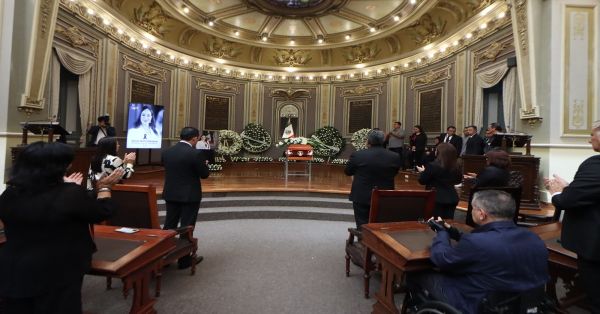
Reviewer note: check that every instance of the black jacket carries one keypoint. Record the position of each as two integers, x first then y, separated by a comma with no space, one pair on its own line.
372,167
455,140
184,166
475,145
492,176
93,132
48,242
442,181
581,202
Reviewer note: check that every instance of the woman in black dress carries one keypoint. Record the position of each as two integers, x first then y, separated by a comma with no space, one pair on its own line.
418,141
441,175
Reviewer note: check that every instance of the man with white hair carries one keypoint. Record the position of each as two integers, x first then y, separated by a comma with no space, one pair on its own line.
580,200
497,256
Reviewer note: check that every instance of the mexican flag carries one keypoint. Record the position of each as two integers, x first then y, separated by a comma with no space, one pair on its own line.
288,132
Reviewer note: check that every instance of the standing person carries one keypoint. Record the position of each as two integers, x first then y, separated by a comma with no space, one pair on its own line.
580,200
418,141
396,141
105,161
465,137
451,137
370,168
441,175
184,167
474,144
47,221
97,132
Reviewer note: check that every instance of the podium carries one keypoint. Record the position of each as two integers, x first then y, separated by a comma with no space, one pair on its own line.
42,127
507,140
298,152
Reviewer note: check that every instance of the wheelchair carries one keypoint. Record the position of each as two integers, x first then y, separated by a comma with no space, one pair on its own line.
526,302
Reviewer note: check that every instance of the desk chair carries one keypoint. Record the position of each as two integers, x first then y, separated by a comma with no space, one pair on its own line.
386,206
515,192
137,209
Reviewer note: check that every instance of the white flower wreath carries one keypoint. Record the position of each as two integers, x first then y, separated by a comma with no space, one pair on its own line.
230,143
359,139
330,140
255,138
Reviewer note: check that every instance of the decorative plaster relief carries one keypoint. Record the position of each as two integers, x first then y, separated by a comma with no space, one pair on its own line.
290,93
216,85
143,68
151,18
362,90
77,39
426,30
361,53
221,48
291,57
493,51
521,9
431,77
46,10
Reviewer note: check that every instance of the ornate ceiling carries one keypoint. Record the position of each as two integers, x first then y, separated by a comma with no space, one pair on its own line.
302,35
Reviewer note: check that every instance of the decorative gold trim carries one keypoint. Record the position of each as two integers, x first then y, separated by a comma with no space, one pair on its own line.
220,48
362,90
361,53
45,12
431,77
493,51
521,9
217,85
77,39
291,57
32,105
144,68
289,93
151,18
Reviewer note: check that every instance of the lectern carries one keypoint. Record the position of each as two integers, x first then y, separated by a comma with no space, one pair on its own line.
506,140
42,127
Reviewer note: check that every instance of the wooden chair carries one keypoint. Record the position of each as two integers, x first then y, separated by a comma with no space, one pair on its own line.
386,206
137,209
514,191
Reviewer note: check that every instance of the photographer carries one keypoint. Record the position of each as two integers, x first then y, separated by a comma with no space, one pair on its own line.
496,256
100,131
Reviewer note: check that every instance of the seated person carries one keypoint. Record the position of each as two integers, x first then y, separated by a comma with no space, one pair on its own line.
496,172
497,256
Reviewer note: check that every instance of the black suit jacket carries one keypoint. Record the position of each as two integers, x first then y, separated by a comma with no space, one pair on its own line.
475,145
442,181
456,141
581,202
492,176
372,167
184,166
48,242
93,132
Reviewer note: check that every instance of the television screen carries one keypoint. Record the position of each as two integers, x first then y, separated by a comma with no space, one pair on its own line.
144,127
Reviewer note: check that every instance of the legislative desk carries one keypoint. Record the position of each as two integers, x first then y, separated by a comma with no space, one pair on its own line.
527,165
133,258
400,247
81,160
562,263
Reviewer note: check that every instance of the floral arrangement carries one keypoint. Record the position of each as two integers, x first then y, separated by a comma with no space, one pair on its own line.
255,138
284,159
359,139
230,143
330,140
293,140
215,167
318,160
220,160
240,159
262,159
339,161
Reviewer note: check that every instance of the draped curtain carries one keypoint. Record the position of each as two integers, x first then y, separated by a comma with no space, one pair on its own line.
488,79
509,92
78,66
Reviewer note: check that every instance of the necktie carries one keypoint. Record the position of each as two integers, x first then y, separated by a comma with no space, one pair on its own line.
447,139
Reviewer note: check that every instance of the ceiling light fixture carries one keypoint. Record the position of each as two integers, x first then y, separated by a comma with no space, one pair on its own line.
348,37
186,10
220,61
428,47
106,21
351,74
324,77
292,42
256,75
413,1
393,68
283,77
432,55
378,71
372,29
406,65
211,23
264,37
419,60
455,43
158,52
144,45
119,31
485,11
227,71
297,77
236,33
396,18
483,26
186,61
131,39
172,57
270,77
338,76
320,39
468,35
90,12
501,15
310,77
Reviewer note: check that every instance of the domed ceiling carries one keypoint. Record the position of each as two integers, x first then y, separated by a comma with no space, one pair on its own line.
306,35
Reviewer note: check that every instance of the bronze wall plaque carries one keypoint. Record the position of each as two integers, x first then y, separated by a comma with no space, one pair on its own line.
360,114
216,113
431,110
142,93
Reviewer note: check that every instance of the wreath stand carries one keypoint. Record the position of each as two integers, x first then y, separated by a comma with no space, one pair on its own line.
298,152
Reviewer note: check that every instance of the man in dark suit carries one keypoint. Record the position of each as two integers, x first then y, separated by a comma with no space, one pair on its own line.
475,143
182,192
451,137
372,167
97,132
580,200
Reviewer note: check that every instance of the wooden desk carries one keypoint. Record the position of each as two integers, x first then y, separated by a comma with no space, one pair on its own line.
400,247
133,258
562,263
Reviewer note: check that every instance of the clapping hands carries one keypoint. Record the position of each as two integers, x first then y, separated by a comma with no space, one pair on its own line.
556,184
420,168
129,158
75,177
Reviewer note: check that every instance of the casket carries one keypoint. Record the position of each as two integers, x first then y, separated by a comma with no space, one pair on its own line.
299,152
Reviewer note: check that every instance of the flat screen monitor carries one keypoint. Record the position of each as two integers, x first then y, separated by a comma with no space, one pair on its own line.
144,127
